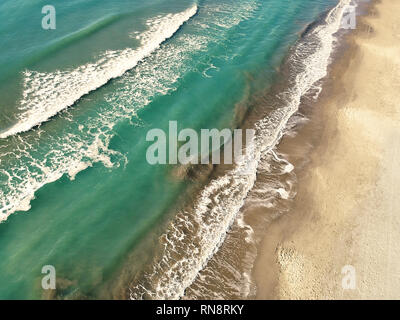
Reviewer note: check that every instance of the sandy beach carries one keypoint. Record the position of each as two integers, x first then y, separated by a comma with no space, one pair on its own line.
347,210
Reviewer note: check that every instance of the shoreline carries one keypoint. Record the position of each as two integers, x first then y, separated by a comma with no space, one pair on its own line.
216,221
244,234
345,161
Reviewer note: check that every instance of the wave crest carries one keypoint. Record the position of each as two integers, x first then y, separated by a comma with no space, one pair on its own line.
46,94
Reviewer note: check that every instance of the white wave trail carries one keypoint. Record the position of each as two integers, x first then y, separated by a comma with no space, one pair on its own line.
25,166
191,240
46,94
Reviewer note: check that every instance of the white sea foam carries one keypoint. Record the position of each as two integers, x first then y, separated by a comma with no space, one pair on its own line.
46,94
28,174
193,238
25,168
79,144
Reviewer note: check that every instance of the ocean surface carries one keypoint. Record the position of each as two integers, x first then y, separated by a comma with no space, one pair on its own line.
76,191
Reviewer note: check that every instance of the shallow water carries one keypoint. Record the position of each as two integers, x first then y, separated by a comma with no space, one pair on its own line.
76,191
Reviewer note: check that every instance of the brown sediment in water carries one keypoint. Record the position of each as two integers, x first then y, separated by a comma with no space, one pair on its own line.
228,273
234,261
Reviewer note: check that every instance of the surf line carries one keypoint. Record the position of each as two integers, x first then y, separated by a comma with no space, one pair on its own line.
37,109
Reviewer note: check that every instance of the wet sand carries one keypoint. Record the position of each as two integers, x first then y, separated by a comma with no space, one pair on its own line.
347,160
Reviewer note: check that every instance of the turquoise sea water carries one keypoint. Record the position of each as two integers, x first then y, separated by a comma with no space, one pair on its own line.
76,191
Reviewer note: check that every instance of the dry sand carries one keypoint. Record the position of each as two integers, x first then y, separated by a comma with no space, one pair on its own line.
347,211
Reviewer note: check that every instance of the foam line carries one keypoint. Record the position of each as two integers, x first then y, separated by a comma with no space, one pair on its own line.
46,94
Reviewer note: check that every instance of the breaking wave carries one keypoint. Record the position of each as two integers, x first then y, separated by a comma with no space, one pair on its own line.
46,94
193,237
